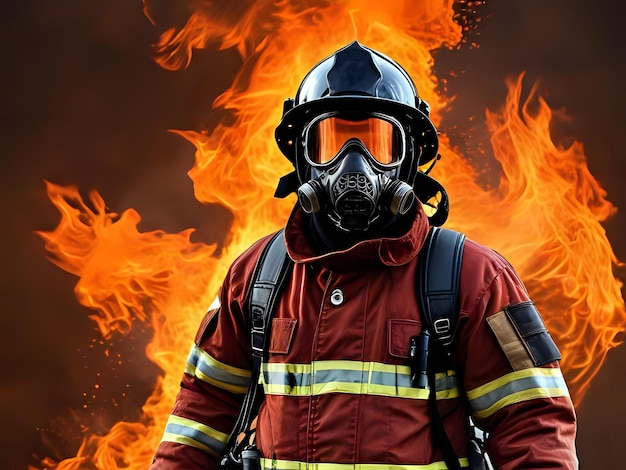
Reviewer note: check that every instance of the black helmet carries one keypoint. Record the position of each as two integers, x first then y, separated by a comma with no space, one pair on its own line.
359,80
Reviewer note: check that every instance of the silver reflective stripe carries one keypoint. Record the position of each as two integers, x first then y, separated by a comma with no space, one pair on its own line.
192,433
516,387
269,464
288,379
208,369
350,377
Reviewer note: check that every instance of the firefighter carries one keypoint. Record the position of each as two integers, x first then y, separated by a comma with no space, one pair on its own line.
337,387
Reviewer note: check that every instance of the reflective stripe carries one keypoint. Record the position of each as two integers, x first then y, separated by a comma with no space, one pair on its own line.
191,433
361,378
269,464
201,365
516,387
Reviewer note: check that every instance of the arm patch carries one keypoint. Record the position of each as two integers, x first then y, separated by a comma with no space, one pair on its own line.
523,336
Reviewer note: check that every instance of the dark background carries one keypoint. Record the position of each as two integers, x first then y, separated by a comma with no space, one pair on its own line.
83,103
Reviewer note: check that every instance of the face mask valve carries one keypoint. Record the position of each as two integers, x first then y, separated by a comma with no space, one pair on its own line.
397,196
311,196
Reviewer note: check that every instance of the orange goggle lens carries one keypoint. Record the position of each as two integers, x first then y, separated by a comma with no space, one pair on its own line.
327,136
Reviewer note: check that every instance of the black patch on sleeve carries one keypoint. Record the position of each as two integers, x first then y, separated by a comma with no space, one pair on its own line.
533,332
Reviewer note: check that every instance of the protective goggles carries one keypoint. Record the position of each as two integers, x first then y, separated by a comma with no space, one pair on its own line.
382,135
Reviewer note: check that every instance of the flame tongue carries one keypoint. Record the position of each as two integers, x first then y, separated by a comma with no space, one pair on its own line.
160,279
544,215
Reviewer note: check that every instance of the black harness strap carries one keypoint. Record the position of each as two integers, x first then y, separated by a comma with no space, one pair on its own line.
440,272
439,276
270,274
272,269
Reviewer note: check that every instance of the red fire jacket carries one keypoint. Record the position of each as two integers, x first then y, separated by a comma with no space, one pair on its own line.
337,385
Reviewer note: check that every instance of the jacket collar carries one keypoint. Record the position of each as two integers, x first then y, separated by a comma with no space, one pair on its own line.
385,251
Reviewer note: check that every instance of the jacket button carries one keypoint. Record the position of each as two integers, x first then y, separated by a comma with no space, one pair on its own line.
336,297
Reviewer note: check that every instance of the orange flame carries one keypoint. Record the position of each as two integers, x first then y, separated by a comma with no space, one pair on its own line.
544,215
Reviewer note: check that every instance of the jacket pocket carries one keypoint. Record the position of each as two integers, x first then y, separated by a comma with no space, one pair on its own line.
282,333
399,333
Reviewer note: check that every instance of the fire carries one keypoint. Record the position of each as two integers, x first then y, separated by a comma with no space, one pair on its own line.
544,215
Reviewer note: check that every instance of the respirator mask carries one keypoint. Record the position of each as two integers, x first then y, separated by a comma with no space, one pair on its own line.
354,160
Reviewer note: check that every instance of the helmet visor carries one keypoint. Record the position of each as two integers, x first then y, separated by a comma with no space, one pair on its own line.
382,136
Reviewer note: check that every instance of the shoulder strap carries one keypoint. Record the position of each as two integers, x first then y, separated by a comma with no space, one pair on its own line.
439,276
272,269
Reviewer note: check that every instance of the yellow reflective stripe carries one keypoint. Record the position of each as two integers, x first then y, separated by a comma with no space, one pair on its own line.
192,433
293,368
208,369
269,464
352,377
516,387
